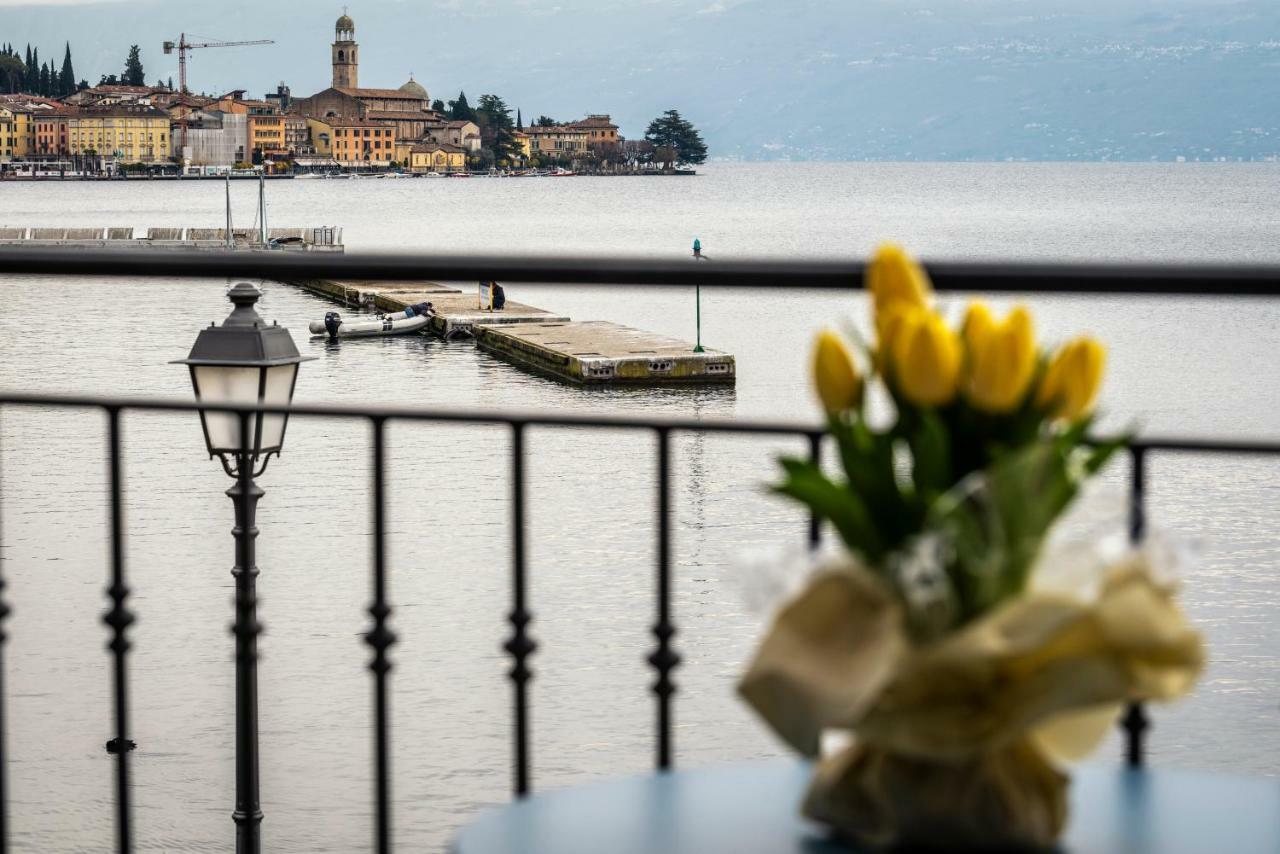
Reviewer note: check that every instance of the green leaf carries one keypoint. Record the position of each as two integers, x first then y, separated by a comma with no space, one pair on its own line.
845,510
867,459
931,457
997,520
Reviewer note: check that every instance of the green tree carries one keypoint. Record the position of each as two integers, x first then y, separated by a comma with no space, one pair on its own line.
460,110
67,77
437,106
494,117
133,73
11,71
544,122
32,80
108,80
519,121
671,131
46,81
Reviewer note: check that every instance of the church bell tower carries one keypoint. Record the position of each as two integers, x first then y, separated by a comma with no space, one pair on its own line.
346,54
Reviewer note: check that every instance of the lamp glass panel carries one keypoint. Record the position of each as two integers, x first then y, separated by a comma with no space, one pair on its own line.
279,391
219,384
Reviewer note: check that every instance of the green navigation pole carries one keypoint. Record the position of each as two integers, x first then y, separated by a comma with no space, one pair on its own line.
697,297
697,291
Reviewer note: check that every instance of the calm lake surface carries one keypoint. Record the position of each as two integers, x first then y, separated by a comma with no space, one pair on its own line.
1205,367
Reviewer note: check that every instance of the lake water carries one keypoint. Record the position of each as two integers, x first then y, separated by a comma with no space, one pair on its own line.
1204,367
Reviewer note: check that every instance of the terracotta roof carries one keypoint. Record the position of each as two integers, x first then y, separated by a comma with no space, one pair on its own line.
457,123
376,93
542,130
593,122
114,89
122,110
35,103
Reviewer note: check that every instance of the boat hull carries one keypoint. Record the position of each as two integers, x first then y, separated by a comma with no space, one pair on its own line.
377,328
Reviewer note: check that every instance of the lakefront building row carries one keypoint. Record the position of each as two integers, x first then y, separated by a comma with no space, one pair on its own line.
344,125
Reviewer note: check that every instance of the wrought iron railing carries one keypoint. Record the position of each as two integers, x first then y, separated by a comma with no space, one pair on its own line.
663,658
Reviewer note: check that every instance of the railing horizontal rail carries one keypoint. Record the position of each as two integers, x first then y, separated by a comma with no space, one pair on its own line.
978,276
542,419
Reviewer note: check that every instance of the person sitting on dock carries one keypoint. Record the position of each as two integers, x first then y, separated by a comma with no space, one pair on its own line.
424,309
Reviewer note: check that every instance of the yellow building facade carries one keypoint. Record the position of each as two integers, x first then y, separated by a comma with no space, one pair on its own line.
524,143
267,134
7,139
127,134
432,157
354,142
24,132
557,140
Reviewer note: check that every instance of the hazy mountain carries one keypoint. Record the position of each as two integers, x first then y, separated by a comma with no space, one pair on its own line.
830,79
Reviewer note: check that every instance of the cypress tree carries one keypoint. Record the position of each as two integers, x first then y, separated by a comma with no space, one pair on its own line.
45,85
32,77
519,120
133,73
67,79
460,110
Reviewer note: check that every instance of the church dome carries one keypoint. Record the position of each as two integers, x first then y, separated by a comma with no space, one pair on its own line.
415,89
345,23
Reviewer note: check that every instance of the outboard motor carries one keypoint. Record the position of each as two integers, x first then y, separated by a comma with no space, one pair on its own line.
332,321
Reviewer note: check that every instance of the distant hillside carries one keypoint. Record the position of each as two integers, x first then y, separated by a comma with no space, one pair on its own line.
770,79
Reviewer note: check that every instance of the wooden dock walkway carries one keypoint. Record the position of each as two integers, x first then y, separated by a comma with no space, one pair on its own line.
592,352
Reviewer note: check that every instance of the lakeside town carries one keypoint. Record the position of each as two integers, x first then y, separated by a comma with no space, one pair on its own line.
52,126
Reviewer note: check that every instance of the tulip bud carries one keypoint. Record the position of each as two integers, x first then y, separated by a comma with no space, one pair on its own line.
890,321
1072,379
893,277
926,359
834,374
977,325
1002,358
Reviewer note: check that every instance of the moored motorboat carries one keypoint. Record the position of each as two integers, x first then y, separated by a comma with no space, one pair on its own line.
334,326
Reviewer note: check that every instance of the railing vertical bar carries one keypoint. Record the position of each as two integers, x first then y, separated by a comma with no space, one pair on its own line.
815,524
520,646
664,658
380,638
4,721
1135,721
119,618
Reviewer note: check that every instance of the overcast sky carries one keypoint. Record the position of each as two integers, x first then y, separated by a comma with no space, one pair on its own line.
933,79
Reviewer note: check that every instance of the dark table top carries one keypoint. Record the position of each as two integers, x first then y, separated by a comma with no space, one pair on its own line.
751,808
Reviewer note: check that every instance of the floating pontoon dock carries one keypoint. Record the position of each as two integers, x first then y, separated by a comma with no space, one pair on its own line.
586,352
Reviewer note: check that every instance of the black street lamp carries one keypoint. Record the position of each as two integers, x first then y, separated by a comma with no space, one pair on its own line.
245,362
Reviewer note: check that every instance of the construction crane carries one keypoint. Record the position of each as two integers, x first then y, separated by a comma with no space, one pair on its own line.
182,46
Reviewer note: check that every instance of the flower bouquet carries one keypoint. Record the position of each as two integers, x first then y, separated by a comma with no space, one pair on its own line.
968,662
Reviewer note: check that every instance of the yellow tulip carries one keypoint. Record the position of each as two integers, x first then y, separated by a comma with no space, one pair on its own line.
893,277
926,359
1002,358
889,322
977,325
834,374
1072,379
